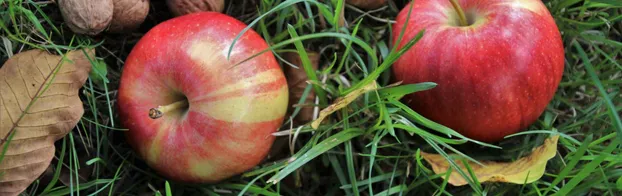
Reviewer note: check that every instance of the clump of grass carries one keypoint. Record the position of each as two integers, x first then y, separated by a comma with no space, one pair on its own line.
371,147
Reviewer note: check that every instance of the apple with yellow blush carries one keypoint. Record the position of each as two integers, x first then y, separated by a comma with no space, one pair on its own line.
192,115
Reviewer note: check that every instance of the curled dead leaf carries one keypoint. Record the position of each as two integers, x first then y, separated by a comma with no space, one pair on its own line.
297,82
524,170
342,17
39,104
342,102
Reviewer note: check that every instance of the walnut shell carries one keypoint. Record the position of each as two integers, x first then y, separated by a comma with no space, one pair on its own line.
86,16
128,15
183,7
367,4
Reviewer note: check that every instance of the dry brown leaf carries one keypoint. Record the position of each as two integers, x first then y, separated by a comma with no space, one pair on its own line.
342,102
524,170
51,111
297,82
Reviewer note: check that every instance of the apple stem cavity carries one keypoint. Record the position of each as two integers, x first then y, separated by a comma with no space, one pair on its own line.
462,18
155,113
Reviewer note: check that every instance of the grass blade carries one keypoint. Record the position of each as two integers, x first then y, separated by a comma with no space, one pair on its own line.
315,151
617,123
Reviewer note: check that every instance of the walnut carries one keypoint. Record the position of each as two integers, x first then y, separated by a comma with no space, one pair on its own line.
183,7
367,4
86,16
128,15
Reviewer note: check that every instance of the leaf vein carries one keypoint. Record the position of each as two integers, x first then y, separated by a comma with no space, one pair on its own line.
19,70
46,110
23,153
6,169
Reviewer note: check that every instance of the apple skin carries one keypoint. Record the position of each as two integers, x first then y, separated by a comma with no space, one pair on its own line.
494,77
232,111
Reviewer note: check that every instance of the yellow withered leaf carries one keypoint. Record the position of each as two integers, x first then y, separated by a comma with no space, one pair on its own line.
524,170
39,104
342,102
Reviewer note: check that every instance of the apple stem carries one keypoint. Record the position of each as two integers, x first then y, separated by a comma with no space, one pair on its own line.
461,16
158,112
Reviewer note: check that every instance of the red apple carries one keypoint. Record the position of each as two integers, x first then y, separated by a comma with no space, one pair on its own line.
212,120
495,75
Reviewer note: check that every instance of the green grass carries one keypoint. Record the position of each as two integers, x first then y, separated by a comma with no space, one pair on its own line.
371,147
